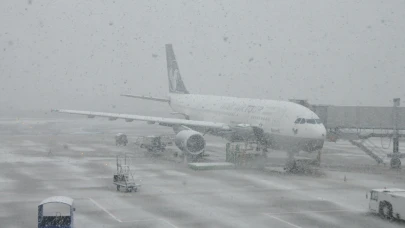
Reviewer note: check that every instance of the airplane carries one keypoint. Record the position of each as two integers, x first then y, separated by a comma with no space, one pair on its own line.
273,124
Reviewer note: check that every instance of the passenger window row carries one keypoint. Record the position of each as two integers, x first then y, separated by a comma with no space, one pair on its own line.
260,118
309,121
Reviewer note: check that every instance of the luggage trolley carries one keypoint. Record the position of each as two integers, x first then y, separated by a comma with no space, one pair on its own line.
124,178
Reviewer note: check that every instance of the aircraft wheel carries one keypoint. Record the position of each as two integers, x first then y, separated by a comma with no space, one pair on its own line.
395,163
386,210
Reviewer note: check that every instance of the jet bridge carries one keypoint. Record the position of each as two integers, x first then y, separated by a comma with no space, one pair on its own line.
359,123
360,117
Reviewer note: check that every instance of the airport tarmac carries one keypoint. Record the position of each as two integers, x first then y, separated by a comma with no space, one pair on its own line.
76,158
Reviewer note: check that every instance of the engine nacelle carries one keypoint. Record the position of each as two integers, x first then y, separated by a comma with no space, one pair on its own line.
190,141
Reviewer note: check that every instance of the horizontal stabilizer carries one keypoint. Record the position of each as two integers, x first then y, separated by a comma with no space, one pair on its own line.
146,97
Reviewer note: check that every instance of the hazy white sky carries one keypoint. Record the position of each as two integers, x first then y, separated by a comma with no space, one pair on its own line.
81,54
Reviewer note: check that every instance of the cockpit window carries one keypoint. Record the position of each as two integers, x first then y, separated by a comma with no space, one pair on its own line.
311,121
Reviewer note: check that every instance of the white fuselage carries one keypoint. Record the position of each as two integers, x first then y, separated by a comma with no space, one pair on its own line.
276,118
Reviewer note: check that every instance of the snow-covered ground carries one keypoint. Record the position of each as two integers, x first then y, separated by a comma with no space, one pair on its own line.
173,195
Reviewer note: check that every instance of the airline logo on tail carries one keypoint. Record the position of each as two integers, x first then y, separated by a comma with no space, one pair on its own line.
176,84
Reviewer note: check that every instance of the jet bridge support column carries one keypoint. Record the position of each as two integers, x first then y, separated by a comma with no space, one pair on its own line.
395,160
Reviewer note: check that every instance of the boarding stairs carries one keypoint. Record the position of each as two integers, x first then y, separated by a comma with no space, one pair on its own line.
361,140
124,178
370,149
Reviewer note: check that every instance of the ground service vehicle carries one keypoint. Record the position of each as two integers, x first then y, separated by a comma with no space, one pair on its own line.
388,202
243,155
121,139
59,219
152,143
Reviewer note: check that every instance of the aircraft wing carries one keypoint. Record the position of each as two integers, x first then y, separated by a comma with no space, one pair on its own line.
150,119
146,97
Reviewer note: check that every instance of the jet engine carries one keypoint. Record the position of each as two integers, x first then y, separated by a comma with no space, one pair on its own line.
190,141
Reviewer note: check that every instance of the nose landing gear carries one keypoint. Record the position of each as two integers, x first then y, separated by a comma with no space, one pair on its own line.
291,164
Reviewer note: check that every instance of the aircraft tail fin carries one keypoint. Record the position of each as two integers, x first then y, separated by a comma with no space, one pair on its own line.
176,84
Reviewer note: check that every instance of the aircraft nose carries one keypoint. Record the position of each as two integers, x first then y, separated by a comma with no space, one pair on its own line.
318,131
323,131
318,138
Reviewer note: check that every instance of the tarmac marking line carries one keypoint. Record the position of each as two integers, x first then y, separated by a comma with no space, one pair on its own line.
283,221
167,222
303,212
150,220
141,220
105,210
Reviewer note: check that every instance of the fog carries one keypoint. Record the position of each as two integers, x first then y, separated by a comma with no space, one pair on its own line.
84,54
